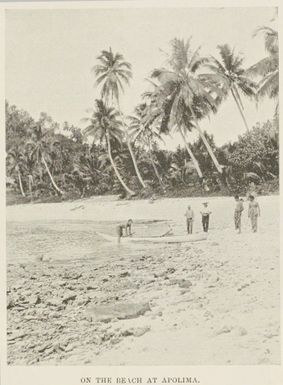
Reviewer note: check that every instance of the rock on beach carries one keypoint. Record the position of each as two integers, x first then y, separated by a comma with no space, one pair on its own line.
120,311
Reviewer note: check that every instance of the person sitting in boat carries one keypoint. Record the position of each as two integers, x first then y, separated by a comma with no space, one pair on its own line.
124,230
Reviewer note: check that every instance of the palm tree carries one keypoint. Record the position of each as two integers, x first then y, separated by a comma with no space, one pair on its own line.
268,67
154,113
41,150
182,132
230,76
105,126
112,72
16,164
183,94
146,133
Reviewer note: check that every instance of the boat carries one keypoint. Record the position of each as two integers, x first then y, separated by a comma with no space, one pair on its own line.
161,239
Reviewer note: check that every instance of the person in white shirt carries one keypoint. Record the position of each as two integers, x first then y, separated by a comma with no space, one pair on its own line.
189,214
205,214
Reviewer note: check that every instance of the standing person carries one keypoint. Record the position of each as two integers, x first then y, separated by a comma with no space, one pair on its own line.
189,214
205,214
254,212
120,231
238,213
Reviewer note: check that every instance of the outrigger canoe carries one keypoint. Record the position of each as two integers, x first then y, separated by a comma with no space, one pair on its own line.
166,239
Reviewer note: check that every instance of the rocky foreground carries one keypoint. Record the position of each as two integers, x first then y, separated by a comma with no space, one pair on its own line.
55,310
198,304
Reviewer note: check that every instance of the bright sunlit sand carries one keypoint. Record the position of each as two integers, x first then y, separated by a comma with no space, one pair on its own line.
214,303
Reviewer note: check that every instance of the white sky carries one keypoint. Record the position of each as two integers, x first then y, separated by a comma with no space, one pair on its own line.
50,53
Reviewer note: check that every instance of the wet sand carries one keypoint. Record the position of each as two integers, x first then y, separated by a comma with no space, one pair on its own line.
210,303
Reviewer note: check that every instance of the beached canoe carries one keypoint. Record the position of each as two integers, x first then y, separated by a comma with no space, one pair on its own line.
166,239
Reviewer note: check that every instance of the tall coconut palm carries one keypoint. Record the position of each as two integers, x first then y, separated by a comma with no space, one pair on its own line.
229,74
105,126
41,148
268,68
16,165
112,73
154,113
184,92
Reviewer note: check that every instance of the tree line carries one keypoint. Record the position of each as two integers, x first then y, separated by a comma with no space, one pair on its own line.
122,154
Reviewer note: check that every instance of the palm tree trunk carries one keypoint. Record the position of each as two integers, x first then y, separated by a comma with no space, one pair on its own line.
20,183
129,191
154,166
207,145
135,163
50,176
194,160
30,182
240,109
210,151
131,150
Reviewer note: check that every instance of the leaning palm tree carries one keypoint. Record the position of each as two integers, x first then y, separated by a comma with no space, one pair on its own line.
182,90
105,126
141,130
16,165
183,132
111,73
268,68
40,147
229,74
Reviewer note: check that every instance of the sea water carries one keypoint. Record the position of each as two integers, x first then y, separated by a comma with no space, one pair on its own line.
72,239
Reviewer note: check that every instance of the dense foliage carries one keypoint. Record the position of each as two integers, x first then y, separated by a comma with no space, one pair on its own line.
81,169
124,155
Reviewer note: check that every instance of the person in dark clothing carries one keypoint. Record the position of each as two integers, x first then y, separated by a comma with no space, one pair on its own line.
205,214
253,213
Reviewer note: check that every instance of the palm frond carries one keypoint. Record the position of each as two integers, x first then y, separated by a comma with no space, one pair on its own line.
263,67
270,38
226,55
269,85
111,72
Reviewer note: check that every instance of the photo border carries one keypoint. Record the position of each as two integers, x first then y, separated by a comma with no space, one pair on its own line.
73,375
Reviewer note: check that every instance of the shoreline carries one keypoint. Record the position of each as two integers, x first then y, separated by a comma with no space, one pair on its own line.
13,199
111,208
212,303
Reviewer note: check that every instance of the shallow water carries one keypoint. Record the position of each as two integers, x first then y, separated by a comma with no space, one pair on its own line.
70,240
66,231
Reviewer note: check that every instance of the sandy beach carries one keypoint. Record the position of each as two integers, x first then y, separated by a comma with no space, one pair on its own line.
73,299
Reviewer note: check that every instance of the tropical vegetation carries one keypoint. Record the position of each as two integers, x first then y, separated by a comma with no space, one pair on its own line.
125,155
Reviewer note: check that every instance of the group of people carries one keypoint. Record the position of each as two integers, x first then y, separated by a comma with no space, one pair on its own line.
253,214
190,216
125,229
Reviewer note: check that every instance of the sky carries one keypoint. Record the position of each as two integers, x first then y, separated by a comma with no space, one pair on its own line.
50,54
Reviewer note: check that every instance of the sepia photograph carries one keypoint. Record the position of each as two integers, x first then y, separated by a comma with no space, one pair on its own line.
142,186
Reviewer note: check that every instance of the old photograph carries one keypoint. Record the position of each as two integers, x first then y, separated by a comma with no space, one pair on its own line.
142,186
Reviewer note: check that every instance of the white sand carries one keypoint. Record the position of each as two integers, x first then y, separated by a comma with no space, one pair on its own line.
233,316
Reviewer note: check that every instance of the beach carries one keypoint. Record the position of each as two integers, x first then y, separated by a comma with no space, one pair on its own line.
74,299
